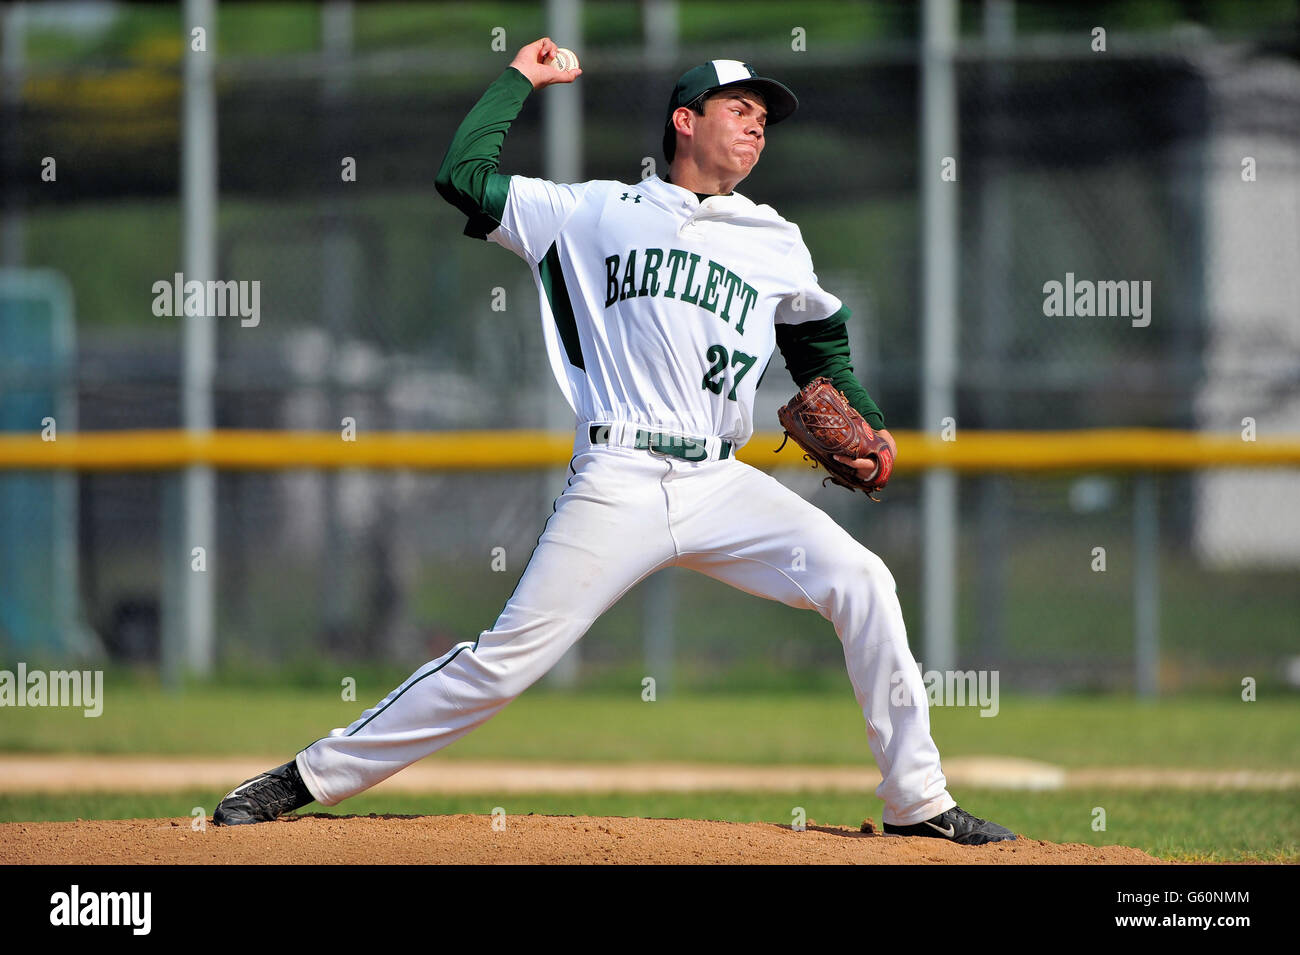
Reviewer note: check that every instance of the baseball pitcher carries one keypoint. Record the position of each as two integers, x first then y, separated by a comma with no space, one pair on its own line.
662,303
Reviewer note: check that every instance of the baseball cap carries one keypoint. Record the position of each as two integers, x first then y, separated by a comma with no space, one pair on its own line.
717,74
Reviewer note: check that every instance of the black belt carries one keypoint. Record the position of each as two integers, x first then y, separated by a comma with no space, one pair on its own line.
678,446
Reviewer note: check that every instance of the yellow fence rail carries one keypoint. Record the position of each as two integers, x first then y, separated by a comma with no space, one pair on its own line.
971,452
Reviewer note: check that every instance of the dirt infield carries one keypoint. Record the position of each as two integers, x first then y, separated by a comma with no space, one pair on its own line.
472,839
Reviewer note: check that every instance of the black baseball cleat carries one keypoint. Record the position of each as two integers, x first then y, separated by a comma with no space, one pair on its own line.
264,797
955,825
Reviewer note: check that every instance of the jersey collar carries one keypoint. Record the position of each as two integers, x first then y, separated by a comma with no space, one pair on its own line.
673,195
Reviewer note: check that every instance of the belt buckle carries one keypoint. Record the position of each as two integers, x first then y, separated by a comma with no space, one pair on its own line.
679,446
647,441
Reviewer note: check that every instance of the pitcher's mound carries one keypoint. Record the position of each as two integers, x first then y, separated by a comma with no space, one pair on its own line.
324,839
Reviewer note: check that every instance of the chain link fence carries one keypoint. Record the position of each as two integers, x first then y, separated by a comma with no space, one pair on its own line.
1125,167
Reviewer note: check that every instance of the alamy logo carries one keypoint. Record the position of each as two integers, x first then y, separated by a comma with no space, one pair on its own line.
214,299
946,688
1085,299
75,907
663,442
77,688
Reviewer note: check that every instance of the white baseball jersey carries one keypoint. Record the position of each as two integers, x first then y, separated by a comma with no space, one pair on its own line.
657,308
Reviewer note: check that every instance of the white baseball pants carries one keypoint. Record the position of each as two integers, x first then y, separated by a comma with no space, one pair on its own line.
624,514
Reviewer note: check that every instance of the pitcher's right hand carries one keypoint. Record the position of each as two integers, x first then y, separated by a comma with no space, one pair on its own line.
531,61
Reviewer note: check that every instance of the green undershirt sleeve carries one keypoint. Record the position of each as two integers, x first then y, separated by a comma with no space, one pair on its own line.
468,177
821,349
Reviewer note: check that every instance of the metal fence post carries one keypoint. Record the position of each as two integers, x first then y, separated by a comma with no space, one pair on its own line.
1146,584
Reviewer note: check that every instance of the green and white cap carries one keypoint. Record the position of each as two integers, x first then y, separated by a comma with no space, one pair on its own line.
717,74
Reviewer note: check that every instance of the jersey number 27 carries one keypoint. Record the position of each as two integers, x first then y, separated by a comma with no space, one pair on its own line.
718,355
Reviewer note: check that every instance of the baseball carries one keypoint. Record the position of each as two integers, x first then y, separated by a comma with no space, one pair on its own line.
563,59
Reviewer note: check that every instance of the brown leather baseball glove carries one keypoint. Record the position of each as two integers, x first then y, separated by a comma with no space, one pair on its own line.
822,422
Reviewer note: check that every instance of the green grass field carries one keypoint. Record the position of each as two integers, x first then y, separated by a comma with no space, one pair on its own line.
812,728
771,728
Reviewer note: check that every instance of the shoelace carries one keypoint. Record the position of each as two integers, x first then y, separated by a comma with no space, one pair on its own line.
960,815
280,789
